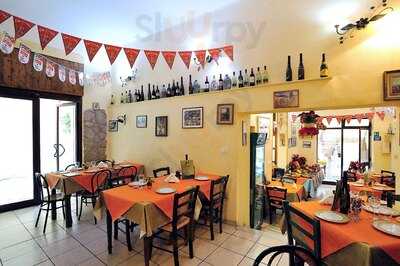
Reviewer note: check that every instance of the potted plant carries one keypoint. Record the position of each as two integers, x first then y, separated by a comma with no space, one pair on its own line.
309,122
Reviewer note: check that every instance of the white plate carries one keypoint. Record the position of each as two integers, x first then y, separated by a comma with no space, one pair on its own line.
333,217
166,190
380,188
202,178
137,183
382,210
71,174
125,165
387,227
357,184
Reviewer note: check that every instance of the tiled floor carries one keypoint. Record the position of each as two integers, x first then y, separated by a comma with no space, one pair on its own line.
85,244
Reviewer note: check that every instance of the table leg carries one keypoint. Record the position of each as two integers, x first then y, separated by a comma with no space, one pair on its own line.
53,206
68,214
109,232
147,249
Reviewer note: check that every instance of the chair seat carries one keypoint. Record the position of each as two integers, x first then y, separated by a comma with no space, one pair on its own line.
183,221
56,197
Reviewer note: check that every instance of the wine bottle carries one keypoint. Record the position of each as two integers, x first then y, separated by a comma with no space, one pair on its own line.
196,86
173,89
126,100
190,85
234,80
148,92
153,93
122,97
301,68
246,78
220,83
323,72
227,82
289,70
142,94
206,85
158,95
258,76
136,96
169,90
265,75
112,99
344,195
182,88
240,79
177,89
252,80
163,92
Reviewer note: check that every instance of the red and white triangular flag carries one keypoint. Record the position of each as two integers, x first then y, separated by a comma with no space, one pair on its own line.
70,42
370,116
381,115
152,57
92,48
348,118
46,35
329,119
214,53
131,55
4,16
169,57
201,56
21,26
228,51
112,52
359,117
186,57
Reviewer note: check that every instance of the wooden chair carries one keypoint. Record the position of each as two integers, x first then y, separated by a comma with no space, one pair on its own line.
46,198
77,164
123,177
388,178
275,198
297,224
295,254
99,182
212,210
164,170
351,176
182,219
278,173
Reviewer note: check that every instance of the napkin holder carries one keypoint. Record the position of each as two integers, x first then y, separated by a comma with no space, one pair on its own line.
188,170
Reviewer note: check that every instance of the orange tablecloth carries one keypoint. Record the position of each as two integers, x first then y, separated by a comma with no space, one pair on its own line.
376,193
294,189
337,236
119,200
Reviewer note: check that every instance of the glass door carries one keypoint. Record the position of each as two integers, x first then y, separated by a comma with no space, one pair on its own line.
16,153
330,153
66,131
351,144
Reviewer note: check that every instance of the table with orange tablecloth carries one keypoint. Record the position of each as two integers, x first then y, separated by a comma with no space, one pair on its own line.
377,192
295,192
353,243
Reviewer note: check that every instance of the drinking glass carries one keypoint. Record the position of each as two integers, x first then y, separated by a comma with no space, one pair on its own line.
375,204
141,181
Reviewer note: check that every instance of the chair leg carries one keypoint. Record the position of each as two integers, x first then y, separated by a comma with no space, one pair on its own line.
76,204
128,235
63,209
38,216
211,218
80,212
190,240
47,216
94,204
220,221
186,234
175,249
116,230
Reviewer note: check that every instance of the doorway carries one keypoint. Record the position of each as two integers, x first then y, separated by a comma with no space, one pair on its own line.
41,133
342,143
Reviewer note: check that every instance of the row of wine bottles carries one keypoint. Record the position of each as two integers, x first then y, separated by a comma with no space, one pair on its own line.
301,72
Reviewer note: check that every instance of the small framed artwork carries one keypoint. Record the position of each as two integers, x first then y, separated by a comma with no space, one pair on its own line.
113,126
225,114
307,144
192,117
141,121
391,85
161,126
263,124
286,99
377,136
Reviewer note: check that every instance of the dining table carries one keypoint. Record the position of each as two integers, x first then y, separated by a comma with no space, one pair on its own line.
76,180
146,206
376,190
295,191
355,243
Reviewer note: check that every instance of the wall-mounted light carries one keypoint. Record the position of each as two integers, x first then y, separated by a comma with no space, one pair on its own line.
376,13
121,119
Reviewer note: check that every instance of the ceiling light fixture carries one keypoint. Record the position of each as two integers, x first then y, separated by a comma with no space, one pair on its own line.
377,13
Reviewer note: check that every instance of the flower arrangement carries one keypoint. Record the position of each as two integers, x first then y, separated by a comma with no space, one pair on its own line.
308,131
309,122
357,167
308,117
297,163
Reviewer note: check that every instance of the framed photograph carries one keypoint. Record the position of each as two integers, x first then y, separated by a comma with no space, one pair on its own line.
263,124
192,117
161,126
112,126
391,85
141,121
377,136
225,114
307,144
286,99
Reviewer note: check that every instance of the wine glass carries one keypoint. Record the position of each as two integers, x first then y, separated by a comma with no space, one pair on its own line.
375,204
141,181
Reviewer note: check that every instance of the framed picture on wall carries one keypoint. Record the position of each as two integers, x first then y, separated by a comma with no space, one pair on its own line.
161,128
286,99
141,121
391,85
192,117
113,126
225,114
263,124
307,144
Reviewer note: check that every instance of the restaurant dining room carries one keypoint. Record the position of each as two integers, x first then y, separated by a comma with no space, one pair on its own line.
205,133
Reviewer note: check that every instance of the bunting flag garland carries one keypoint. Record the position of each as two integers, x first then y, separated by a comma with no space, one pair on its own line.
131,55
112,52
370,116
329,119
152,57
24,54
214,53
381,115
70,42
186,57
4,16
21,27
80,78
228,51
359,117
50,69
169,57
38,62
348,118
72,77
46,35
61,73
92,48
7,43
201,56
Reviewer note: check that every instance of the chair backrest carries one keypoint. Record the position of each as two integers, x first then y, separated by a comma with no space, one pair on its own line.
351,177
76,164
42,186
100,180
278,173
306,231
184,206
294,252
166,171
218,191
388,177
124,176
276,196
